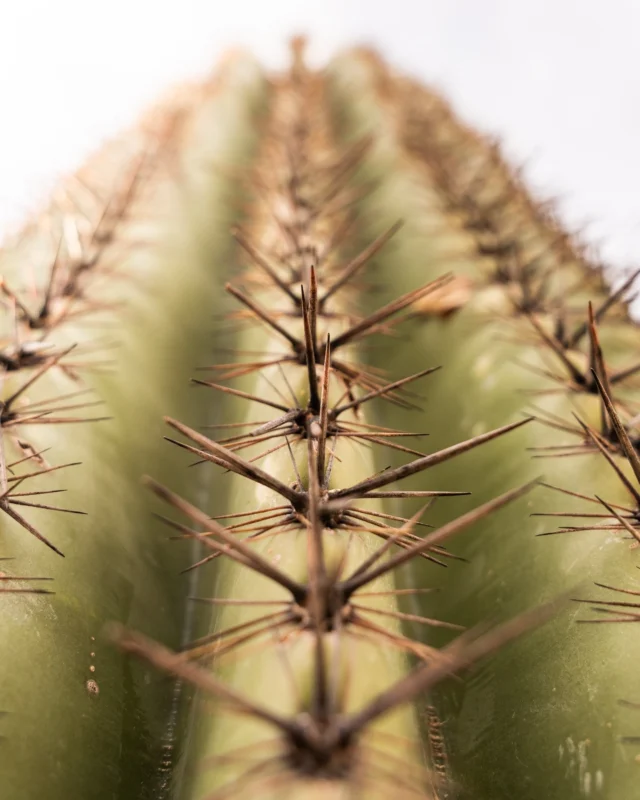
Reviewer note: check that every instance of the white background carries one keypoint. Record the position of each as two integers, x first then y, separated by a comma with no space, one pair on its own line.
559,80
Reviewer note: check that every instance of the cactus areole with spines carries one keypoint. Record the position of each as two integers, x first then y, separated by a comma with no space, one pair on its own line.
349,427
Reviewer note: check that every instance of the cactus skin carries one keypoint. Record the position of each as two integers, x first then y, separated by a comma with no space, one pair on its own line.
83,721
542,718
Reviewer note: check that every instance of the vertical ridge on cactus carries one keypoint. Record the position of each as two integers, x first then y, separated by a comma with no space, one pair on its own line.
99,270
525,342
287,646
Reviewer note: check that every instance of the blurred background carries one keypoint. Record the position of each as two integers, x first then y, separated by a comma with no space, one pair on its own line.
557,80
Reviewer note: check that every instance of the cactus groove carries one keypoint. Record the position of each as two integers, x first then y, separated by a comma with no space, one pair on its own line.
343,576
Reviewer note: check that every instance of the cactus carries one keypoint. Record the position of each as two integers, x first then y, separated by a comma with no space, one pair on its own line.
284,574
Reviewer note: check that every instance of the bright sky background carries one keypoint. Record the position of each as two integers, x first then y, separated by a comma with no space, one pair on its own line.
559,80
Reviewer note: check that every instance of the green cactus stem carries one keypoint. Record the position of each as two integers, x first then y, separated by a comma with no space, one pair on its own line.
123,264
